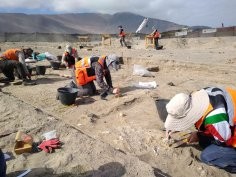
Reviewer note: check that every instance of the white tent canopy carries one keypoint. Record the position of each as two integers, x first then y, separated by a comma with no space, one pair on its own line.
142,25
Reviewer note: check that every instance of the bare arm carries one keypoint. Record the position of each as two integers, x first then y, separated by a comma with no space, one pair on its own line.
151,34
63,58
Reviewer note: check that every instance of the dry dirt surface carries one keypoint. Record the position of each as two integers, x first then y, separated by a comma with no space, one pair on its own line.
124,136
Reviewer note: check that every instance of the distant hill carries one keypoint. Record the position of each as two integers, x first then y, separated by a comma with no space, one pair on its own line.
94,23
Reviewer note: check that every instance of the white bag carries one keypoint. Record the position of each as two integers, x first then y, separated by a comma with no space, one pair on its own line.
141,71
146,85
50,56
50,135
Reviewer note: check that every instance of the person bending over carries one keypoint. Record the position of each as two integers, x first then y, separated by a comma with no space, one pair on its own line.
212,111
89,69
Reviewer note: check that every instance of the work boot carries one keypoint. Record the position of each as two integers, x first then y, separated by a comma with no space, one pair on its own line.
27,82
103,95
6,80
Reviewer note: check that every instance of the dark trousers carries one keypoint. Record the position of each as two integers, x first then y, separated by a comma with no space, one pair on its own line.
3,166
9,66
156,43
122,41
88,89
219,156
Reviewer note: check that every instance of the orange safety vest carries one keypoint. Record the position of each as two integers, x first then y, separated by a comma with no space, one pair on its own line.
83,66
122,33
232,94
156,34
11,54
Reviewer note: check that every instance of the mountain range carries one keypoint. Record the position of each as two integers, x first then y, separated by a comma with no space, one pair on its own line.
80,23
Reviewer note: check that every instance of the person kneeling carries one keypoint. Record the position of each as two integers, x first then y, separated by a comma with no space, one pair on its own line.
89,69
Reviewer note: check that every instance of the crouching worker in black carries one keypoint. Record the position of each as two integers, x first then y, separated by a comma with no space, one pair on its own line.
14,59
89,69
3,165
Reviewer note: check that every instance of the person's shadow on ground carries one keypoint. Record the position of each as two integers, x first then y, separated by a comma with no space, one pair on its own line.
112,169
46,80
124,90
84,101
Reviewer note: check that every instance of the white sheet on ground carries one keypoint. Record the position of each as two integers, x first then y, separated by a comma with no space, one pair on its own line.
146,85
141,71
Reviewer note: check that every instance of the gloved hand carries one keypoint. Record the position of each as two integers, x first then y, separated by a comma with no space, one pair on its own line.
49,145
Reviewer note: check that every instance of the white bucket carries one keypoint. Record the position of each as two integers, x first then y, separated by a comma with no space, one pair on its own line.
50,135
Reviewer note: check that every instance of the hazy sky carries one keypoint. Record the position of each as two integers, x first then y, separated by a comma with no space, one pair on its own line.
186,12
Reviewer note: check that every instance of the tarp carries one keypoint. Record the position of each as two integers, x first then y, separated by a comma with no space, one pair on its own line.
142,25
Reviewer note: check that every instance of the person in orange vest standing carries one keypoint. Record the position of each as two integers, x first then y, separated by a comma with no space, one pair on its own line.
156,36
122,36
212,111
15,59
89,69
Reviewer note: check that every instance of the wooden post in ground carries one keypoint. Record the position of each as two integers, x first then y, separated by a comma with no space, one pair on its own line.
106,40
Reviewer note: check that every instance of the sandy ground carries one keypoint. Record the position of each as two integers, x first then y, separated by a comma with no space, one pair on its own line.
126,136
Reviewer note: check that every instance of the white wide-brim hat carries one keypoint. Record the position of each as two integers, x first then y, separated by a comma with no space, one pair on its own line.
185,110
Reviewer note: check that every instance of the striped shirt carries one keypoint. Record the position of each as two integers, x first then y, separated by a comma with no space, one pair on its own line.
217,122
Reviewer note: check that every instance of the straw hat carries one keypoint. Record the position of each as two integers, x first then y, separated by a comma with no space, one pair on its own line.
185,110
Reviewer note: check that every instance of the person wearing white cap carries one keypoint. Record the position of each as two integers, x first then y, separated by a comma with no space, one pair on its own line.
213,112
70,56
93,68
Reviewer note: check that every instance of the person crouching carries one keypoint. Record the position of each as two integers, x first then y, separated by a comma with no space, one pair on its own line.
93,68
15,59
